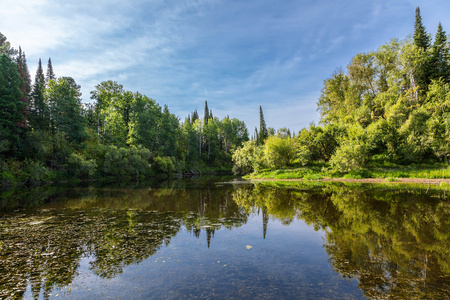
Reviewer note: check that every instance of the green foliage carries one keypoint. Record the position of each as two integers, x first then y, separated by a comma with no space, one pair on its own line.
349,156
11,108
263,132
421,38
280,152
312,176
244,158
163,165
79,167
66,111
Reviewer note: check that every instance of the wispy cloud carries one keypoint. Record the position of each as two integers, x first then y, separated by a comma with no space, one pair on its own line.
235,54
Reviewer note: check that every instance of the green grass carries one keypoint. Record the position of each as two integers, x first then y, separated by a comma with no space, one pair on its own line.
390,173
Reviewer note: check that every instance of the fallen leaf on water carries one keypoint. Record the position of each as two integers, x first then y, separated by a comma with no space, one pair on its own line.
249,247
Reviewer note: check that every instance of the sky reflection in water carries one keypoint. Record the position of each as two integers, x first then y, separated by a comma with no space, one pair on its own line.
227,241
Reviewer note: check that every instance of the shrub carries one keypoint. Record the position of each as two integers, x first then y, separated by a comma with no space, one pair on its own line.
79,167
244,158
350,156
280,152
163,164
138,162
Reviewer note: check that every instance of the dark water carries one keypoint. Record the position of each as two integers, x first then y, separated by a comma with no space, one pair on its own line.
226,240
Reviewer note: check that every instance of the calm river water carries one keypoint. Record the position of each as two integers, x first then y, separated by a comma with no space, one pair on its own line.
225,240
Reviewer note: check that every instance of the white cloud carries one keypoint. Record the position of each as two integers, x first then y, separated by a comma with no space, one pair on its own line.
237,55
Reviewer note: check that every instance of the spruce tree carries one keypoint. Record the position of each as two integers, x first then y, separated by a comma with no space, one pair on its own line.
39,110
440,56
194,116
11,108
263,133
206,114
421,38
422,72
50,74
25,88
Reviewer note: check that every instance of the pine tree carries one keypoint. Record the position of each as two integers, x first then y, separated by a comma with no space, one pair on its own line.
39,116
421,38
50,74
440,56
206,114
263,133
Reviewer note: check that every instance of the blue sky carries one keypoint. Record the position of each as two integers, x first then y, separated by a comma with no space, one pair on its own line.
237,55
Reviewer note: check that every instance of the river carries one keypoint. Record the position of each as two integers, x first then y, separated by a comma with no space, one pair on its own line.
226,239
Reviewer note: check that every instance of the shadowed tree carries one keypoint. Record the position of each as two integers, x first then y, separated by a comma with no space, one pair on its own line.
39,111
25,87
11,107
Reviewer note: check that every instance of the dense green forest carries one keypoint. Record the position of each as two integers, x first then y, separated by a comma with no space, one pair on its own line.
389,107
48,134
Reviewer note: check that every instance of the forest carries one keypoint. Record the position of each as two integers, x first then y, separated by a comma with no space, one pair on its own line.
48,134
390,107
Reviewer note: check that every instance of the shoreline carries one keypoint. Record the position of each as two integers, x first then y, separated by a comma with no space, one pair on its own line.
365,180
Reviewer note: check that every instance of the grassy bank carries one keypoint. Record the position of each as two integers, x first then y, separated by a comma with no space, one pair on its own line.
390,173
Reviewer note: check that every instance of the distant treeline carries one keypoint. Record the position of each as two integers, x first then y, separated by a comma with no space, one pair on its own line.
391,106
48,134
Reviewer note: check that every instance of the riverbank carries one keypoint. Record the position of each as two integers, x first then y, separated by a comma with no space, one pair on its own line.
426,174
365,180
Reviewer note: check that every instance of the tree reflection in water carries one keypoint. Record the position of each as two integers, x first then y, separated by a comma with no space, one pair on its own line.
115,227
395,242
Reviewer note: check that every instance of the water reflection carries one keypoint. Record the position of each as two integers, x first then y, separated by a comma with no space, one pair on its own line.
395,242
116,227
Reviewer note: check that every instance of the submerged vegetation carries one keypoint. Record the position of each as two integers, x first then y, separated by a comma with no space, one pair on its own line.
394,240
388,110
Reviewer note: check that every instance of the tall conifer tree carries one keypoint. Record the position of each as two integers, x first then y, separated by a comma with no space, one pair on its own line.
422,71
440,56
263,133
206,114
25,88
194,116
11,107
421,38
50,74
39,110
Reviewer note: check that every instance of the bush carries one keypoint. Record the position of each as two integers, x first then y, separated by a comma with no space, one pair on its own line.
79,167
138,162
244,158
37,173
280,152
114,161
163,165
350,156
